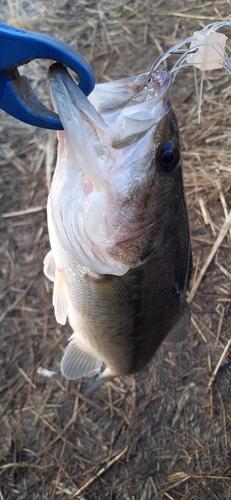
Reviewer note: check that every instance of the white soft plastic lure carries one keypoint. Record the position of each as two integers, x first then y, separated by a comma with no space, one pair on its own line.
207,51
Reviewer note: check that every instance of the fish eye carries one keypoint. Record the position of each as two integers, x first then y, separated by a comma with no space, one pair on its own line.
168,157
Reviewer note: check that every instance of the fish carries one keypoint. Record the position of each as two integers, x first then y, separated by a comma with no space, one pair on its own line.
120,255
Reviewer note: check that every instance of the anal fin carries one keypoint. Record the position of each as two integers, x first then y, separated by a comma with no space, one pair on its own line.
77,362
180,330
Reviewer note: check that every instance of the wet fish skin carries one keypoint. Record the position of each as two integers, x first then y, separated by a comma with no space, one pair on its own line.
122,320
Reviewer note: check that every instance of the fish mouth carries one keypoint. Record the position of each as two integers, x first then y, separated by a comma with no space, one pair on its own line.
123,111
105,157
131,89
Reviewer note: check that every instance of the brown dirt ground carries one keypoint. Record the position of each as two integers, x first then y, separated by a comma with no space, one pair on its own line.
177,443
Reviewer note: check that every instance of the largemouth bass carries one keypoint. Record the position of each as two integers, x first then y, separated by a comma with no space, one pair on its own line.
120,252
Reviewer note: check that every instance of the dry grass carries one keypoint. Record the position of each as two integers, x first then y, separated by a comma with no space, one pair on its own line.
176,445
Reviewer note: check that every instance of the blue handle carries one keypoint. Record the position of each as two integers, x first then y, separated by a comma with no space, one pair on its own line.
16,95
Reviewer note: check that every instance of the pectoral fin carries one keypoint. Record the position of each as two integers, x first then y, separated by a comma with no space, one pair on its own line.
59,292
77,362
49,266
181,329
110,289
60,298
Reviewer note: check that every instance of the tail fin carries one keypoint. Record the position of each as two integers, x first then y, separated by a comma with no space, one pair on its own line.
101,379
